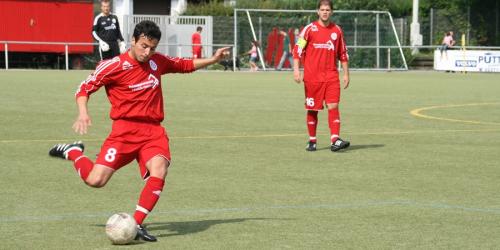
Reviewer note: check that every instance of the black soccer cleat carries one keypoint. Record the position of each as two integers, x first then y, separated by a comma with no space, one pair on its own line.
311,146
142,234
61,150
339,144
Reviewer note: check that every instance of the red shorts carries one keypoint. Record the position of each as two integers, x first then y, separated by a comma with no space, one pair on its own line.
131,140
317,93
196,53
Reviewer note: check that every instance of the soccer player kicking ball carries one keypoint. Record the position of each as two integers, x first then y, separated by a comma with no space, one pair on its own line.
320,45
133,86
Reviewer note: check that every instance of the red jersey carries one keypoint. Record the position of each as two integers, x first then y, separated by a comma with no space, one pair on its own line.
134,88
196,39
321,47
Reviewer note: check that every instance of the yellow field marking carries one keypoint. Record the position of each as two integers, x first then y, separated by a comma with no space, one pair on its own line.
417,113
273,135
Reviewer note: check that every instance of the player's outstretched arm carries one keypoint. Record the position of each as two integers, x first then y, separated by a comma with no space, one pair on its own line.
83,120
203,62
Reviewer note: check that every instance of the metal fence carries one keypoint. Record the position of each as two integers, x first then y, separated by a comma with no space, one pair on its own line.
68,61
220,29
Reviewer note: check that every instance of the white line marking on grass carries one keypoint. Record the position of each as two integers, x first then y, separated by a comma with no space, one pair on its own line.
48,140
417,113
273,135
202,211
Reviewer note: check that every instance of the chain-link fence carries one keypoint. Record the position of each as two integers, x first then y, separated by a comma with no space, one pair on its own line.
479,29
370,35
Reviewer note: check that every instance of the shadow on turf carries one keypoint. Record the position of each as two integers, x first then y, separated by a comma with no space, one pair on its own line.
355,147
190,227
185,227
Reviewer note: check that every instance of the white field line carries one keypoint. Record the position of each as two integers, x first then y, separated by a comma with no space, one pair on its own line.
261,209
381,133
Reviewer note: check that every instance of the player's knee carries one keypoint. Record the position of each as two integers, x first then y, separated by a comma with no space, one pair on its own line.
159,167
96,182
332,105
161,170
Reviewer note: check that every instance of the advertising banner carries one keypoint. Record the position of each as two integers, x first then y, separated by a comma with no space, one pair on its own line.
468,60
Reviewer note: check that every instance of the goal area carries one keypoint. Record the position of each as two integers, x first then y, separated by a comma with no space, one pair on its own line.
371,37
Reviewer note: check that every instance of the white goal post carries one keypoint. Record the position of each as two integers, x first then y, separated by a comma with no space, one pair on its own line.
371,36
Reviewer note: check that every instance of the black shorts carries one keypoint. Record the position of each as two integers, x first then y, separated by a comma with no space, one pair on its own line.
114,50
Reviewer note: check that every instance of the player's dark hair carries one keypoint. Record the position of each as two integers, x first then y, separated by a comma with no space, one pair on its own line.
325,2
147,28
199,28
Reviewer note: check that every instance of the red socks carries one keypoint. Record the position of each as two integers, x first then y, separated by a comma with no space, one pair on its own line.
312,124
149,196
83,165
334,123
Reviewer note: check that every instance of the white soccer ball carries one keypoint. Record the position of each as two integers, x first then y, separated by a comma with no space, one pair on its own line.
121,228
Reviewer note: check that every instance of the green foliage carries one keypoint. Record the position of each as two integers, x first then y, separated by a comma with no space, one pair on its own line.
396,7
481,24
211,8
277,4
473,16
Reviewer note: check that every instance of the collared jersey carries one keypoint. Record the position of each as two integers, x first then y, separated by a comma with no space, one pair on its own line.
320,48
134,88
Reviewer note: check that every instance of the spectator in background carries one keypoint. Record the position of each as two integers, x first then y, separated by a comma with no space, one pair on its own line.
447,43
227,61
106,31
287,49
196,43
254,57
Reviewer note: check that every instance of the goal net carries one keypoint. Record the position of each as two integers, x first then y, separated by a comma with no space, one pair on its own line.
371,36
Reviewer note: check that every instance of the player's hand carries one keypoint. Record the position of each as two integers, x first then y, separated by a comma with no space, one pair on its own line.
104,46
221,53
82,124
123,47
346,81
296,76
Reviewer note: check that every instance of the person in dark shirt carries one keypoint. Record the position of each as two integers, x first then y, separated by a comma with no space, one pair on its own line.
287,51
106,30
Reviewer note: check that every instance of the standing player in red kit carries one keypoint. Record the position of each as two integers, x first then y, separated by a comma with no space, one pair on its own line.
133,85
196,42
321,44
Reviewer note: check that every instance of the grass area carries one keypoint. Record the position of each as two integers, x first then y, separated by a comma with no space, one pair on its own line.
240,177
